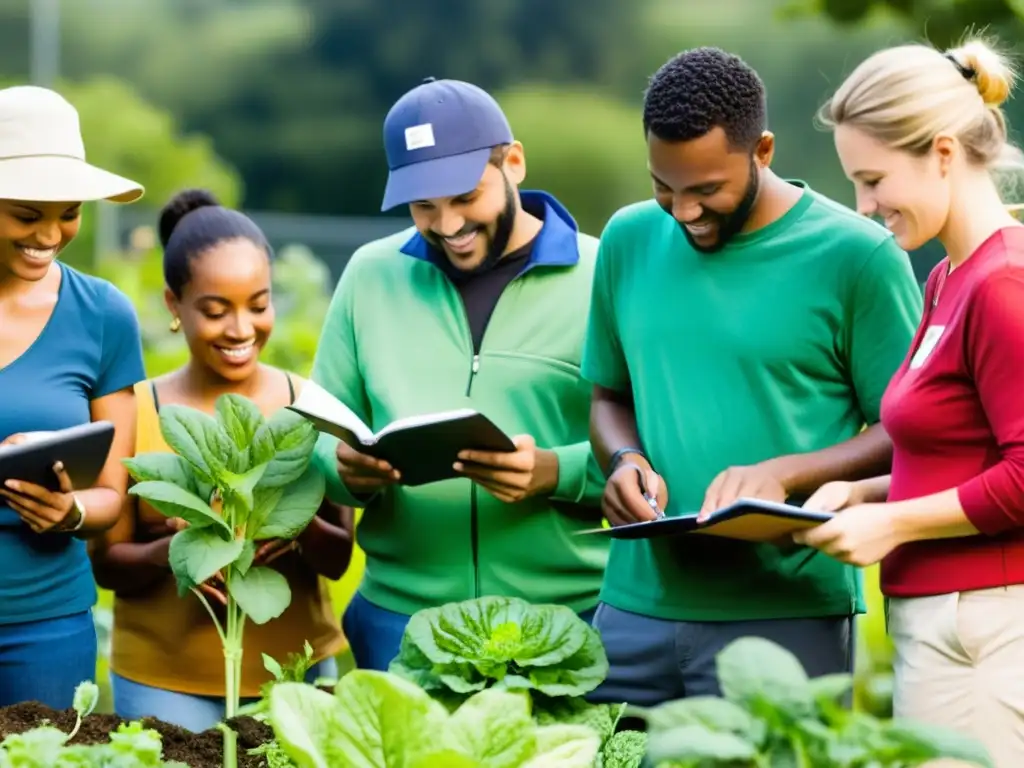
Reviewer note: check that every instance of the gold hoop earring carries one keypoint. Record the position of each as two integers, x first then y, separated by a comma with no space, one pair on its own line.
175,325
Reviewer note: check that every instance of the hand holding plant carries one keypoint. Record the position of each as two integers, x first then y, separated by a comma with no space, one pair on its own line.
237,481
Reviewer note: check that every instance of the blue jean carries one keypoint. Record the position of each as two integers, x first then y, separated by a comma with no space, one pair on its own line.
45,661
133,701
375,634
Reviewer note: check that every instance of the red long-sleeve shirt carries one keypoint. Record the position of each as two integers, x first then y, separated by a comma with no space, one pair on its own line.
955,413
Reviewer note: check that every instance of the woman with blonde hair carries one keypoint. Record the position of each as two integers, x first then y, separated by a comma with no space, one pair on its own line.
921,135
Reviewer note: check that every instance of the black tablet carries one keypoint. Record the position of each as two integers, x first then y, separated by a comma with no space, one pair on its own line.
82,449
745,519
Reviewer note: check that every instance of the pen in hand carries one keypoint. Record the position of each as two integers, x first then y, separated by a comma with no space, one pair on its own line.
652,501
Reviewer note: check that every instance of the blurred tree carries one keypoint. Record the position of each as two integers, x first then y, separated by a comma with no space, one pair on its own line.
584,147
295,90
129,136
942,22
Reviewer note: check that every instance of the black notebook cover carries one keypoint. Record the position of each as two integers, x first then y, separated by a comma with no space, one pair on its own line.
425,453
82,449
746,520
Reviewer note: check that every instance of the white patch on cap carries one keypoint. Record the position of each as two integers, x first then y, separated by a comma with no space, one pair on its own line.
419,136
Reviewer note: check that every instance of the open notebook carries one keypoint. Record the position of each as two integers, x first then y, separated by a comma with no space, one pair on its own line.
83,450
745,519
422,448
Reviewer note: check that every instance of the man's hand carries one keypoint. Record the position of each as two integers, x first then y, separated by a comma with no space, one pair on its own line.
623,502
512,476
756,481
364,475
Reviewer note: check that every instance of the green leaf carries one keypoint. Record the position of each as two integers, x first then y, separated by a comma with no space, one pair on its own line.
262,593
375,720
582,672
248,554
506,641
271,665
710,711
37,748
264,502
240,418
163,466
625,749
295,508
698,744
565,746
495,728
239,488
196,554
172,501
87,694
198,438
570,710
293,439
758,674
923,742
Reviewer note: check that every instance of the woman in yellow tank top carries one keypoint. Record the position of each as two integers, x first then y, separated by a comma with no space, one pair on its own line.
166,658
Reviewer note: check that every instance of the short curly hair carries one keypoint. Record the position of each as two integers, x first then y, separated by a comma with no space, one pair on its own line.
701,89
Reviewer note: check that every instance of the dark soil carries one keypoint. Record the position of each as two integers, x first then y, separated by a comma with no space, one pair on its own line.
196,750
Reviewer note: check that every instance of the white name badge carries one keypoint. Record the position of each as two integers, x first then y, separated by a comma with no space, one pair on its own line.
931,338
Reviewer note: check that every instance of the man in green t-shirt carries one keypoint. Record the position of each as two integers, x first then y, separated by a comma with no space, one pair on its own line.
742,331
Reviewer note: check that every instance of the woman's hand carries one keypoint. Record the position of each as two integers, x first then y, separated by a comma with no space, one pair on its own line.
42,509
214,587
835,496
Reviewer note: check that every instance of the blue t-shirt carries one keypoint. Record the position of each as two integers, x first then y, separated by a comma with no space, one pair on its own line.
90,347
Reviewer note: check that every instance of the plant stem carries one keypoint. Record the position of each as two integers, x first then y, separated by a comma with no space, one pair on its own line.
209,610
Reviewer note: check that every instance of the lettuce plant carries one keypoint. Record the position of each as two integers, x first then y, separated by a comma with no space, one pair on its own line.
236,479
504,643
380,720
772,714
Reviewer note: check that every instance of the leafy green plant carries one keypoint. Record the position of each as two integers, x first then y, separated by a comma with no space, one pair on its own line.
131,746
619,748
545,651
236,479
504,643
380,720
772,714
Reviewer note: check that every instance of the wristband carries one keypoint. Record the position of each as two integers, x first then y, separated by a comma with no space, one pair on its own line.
613,462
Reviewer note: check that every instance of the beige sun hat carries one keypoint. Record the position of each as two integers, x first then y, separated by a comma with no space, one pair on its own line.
42,155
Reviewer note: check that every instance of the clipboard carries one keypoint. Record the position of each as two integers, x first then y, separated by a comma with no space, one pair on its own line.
745,519
82,449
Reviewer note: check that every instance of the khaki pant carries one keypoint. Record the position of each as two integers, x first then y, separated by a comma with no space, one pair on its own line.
960,664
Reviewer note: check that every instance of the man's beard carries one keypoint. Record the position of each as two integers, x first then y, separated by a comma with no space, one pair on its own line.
496,245
730,224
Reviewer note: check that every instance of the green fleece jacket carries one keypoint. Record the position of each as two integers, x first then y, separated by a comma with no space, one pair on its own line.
396,343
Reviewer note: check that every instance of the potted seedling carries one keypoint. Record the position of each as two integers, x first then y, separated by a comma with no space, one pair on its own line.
237,480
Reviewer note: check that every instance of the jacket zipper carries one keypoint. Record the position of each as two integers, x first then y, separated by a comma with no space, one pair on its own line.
474,523
474,368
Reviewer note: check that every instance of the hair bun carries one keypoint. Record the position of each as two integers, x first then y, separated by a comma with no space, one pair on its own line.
993,74
181,205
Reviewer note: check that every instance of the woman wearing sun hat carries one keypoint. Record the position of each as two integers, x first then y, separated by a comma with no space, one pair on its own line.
70,353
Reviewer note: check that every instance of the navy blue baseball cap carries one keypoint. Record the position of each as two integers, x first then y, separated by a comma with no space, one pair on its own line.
438,138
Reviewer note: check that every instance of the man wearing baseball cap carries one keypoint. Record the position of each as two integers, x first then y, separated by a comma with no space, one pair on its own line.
481,304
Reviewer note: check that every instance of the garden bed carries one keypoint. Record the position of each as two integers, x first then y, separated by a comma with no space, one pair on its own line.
196,750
